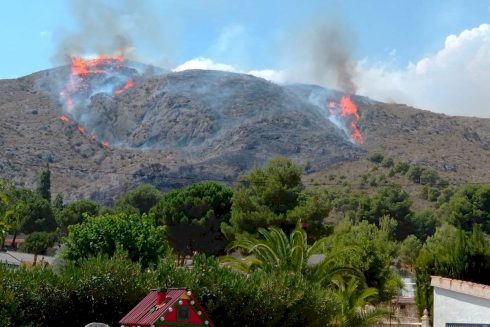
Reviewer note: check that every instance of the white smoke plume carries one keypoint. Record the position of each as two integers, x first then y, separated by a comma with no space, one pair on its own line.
111,28
320,52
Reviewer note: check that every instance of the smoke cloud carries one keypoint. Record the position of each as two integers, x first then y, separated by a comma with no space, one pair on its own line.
321,53
111,28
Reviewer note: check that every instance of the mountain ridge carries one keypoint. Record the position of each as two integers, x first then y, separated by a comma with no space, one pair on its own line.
213,125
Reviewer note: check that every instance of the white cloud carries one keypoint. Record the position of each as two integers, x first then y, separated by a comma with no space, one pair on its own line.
455,80
269,74
206,63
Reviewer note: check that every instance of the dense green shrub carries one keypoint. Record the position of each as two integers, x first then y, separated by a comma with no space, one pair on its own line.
96,289
376,158
261,299
144,242
102,289
401,167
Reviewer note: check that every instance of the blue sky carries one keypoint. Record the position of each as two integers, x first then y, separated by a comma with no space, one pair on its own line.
410,29
249,34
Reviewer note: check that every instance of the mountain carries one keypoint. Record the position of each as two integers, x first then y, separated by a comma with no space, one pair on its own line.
172,129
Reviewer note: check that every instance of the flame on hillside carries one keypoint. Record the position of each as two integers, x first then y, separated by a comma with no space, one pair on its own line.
129,84
64,118
346,116
83,131
86,67
89,76
84,73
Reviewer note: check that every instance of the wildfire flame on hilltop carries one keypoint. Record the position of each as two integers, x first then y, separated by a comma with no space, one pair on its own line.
85,79
346,111
82,70
85,67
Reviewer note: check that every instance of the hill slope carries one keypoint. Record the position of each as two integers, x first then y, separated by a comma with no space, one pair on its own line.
178,128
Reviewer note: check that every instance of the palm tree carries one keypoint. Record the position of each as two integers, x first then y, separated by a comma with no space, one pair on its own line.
353,301
274,250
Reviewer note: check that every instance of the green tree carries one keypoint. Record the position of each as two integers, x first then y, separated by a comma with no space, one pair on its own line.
390,201
352,298
311,212
76,212
410,249
142,198
423,224
5,211
375,257
193,216
38,242
26,212
264,197
452,253
468,206
138,236
44,187
35,215
58,203
9,221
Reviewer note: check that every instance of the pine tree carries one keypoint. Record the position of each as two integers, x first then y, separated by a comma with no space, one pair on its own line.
58,202
44,188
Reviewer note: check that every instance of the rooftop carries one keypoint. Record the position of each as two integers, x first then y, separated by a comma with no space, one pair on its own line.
461,286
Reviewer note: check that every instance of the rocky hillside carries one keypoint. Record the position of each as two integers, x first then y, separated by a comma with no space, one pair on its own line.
178,128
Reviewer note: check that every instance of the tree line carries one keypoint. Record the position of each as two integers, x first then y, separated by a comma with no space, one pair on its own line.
268,252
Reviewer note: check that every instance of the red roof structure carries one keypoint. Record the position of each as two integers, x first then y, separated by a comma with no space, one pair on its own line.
167,308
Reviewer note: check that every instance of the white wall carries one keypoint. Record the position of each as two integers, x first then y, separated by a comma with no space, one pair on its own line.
453,307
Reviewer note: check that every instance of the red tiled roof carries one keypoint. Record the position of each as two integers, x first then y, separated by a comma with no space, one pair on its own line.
143,315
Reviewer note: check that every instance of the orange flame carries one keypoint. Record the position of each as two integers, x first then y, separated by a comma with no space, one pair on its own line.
81,130
126,86
64,118
105,144
82,66
348,110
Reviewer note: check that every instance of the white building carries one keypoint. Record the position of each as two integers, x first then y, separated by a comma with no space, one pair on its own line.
459,303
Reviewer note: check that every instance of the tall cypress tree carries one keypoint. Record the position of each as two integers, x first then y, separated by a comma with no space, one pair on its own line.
44,188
